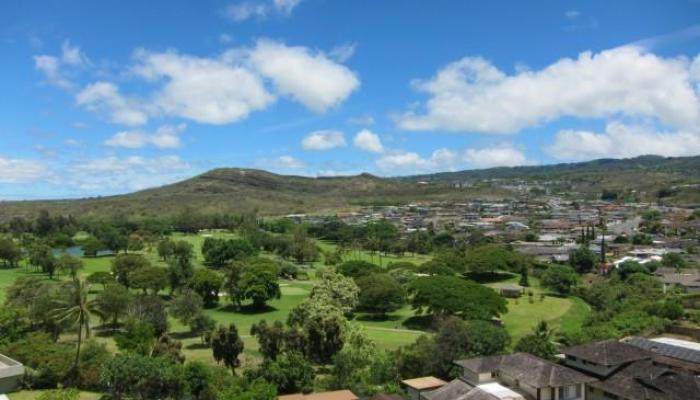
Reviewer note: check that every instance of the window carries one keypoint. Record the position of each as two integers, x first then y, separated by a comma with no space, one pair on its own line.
609,396
570,392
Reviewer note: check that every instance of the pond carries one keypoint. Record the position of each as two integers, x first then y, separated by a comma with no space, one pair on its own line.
77,251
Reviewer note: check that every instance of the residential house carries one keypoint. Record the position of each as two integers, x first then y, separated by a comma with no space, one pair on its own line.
416,386
527,375
685,280
334,395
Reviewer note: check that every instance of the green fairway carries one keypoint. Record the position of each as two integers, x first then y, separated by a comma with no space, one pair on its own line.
34,394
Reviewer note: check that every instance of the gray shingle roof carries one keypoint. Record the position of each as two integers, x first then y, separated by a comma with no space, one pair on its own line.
451,391
540,373
608,353
480,364
669,350
644,380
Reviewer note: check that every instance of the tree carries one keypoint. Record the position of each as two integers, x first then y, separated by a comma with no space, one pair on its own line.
270,338
673,260
244,390
100,278
203,325
524,281
165,249
78,309
447,295
141,377
358,268
207,284
180,266
559,278
322,326
150,309
154,279
628,268
337,290
113,302
583,259
226,346
198,381
538,343
10,253
124,265
186,306
290,372
14,324
234,271
380,294
92,246
491,258
219,252
168,348
42,256
485,338
259,283
138,337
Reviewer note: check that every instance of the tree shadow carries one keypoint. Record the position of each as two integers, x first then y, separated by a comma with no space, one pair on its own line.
377,317
489,277
197,346
248,309
419,322
183,335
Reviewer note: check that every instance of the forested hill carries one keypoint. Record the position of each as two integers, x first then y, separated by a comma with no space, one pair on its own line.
681,167
234,190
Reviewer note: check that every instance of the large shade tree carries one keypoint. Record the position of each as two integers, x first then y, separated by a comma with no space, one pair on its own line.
447,295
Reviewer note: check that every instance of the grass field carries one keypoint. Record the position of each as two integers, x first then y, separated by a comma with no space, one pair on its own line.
34,394
396,330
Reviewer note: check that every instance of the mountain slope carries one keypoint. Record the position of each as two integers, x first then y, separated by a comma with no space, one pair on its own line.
233,190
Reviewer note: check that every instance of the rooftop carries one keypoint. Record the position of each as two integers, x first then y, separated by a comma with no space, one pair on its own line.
335,395
426,382
608,353
453,390
494,391
680,349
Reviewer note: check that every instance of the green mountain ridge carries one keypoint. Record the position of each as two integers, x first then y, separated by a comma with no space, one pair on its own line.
237,190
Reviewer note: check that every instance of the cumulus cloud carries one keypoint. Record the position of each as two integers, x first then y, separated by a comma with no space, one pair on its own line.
242,11
365,120
165,137
130,173
19,171
205,90
621,140
502,156
285,162
105,98
443,159
324,140
368,141
52,67
309,77
472,95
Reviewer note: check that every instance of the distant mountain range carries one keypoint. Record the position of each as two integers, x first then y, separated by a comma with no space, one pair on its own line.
234,190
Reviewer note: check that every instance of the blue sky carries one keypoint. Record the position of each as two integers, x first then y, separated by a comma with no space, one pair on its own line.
109,97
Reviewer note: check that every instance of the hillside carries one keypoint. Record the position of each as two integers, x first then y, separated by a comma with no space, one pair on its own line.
234,190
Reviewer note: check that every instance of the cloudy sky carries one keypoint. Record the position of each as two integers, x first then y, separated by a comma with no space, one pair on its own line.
109,97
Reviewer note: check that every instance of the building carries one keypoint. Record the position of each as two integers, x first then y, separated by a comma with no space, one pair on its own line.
529,376
334,395
11,372
415,387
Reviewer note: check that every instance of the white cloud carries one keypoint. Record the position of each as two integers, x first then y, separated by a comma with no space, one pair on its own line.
572,14
309,77
621,141
242,11
19,171
471,95
50,67
368,141
362,120
343,52
205,90
71,55
285,162
225,38
324,140
502,156
104,97
130,173
165,137
443,159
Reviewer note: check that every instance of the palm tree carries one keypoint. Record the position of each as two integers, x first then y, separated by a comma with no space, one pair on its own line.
78,308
